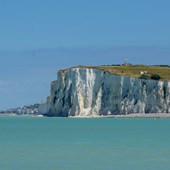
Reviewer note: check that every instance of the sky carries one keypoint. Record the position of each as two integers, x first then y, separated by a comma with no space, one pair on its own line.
39,37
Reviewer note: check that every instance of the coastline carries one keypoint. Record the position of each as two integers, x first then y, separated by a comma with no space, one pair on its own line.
135,115
22,115
132,115
149,115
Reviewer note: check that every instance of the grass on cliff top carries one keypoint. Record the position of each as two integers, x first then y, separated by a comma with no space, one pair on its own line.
135,70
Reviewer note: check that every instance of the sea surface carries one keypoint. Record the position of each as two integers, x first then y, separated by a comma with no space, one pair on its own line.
40,143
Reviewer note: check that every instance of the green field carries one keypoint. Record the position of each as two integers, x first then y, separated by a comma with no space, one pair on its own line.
135,70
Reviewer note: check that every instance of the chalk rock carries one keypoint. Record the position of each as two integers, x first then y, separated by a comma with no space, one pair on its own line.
94,92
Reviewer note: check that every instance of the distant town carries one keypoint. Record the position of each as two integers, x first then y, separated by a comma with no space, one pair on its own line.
23,110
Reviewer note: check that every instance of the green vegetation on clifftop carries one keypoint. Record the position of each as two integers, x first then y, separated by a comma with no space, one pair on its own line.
135,70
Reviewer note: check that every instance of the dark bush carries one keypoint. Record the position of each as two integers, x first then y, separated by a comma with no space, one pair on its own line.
144,77
116,65
155,77
162,65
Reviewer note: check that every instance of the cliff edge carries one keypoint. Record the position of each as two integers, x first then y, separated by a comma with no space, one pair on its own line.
95,92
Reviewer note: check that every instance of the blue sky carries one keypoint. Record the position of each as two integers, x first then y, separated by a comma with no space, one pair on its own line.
39,37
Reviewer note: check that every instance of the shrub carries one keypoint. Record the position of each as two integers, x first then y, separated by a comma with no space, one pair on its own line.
162,65
144,77
155,77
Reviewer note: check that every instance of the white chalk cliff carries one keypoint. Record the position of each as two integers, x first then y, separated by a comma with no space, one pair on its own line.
93,92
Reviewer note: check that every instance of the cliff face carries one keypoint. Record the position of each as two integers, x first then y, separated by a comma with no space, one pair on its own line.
45,107
92,92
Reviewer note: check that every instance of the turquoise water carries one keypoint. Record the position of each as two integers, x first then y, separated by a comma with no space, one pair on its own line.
31,143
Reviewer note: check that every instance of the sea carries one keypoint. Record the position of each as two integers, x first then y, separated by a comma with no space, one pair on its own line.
42,143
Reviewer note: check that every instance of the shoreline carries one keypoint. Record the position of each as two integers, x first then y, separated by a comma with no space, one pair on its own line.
131,115
22,115
135,115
